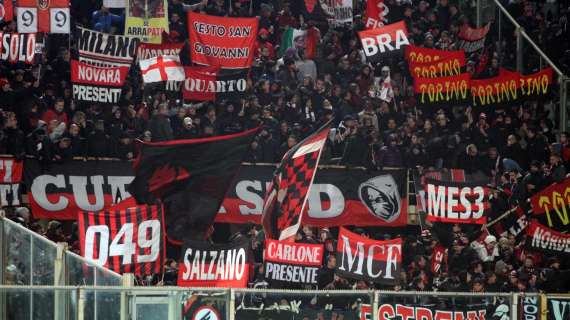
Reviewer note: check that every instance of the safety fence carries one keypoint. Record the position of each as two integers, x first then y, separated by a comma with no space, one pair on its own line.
528,51
175,303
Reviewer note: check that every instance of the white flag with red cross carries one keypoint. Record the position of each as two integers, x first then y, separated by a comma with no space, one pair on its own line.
162,68
46,16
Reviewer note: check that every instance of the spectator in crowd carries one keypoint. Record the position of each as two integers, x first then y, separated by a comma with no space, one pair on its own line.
377,123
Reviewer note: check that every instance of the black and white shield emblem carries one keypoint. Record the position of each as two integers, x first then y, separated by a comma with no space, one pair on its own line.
380,195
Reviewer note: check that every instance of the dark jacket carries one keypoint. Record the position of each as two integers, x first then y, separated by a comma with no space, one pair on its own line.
159,126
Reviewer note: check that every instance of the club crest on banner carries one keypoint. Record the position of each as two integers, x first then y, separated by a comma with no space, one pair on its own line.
381,197
43,4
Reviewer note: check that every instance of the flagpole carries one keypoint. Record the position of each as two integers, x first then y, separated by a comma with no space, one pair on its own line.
501,217
291,237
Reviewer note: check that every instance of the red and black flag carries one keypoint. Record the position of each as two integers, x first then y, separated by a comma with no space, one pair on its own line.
97,84
288,192
384,42
125,240
542,238
365,259
442,177
550,206
6,10
473,39
190,177
213,83
456,202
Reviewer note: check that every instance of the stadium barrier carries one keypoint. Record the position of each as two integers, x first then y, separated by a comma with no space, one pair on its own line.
528,56
174,303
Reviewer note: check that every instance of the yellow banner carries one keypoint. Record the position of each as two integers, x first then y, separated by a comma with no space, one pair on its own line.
147,20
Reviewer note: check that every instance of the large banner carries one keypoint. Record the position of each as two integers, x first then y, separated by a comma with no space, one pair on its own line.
59,191
290,262
454,90
546,239
95,84
426,55
456,202
473,39
45,16
10,177
369,260
471,311
212,83
214,265
338,197
130,240
384,42
222,42
147,19
16,47
551,205
103,49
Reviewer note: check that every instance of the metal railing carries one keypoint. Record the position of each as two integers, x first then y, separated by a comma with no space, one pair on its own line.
184,303
175,303
527,57
29,259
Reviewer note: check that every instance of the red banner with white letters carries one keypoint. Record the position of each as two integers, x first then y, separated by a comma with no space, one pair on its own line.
220,41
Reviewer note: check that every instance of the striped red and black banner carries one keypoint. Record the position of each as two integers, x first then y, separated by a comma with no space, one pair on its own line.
125,240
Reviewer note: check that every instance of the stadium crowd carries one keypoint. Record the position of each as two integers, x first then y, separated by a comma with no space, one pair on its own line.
291,95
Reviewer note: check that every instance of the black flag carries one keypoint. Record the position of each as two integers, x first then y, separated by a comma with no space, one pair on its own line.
190,177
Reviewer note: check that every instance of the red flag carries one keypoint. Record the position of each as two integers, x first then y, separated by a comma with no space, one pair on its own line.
47,16
376,12
124,240
220,41
6,10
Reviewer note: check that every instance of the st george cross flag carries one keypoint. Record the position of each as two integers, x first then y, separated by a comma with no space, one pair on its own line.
162,68
47,16
6,11
288,192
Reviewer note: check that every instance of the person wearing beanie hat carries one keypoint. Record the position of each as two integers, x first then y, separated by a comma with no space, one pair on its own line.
488,250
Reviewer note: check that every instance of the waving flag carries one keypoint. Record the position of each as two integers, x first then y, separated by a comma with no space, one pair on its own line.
47,16
191,177
287,195
162,68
